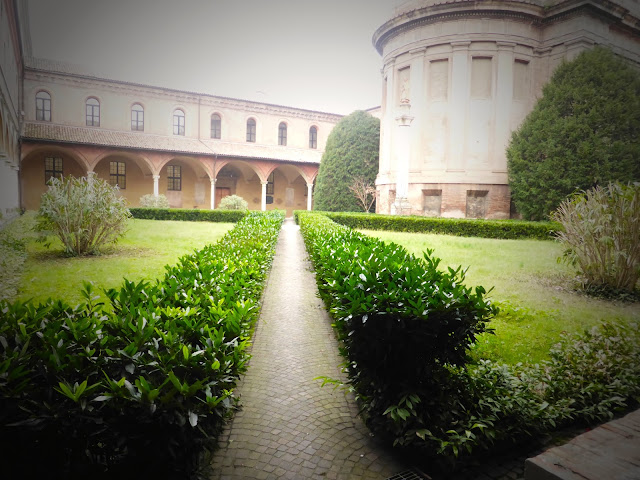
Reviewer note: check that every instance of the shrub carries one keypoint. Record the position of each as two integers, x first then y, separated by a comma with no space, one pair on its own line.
85,213
188,215
351,151
138,383
233,202
507,229
582,132
402,323
154,201
602,235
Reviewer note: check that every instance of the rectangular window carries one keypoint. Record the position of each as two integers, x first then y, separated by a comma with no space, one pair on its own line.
439,79
93,115
43,109
270,184
282,134
137,120
52,168
432,203
481,77
118,174
251,131
174,175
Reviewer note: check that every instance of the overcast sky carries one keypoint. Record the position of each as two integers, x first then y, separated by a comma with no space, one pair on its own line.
307,54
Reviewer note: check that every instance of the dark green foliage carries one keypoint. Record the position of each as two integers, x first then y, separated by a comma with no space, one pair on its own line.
351,151
583,132
139,382
507,229
231,216
402,323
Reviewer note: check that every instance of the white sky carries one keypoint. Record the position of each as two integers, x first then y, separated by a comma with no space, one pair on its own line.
301,53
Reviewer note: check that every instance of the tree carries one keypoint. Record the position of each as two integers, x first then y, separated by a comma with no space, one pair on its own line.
582,133
364,191
233,202
85,213
352,150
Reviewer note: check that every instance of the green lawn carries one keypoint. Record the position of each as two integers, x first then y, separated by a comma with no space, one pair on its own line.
531,287
142,253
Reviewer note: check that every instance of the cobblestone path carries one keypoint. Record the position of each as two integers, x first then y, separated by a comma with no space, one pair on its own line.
289,426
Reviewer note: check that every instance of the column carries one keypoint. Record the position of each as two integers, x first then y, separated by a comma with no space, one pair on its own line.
309,193
460,76
264,196
504,101
213,193
156,185
403,150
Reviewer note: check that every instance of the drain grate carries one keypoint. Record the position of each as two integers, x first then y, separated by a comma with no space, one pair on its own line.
413,474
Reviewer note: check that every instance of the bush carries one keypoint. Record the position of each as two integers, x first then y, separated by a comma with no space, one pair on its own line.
402,323
507,229
582,133
85,213
154,201
140,383
233,202
183,214
351,151
602,236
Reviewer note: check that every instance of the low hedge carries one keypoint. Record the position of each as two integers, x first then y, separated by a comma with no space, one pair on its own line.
231,216
505,229
139,382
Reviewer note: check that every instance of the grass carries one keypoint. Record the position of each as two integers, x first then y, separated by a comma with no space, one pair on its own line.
533,290
142,253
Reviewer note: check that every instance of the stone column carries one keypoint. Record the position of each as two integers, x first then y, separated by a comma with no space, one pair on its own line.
264,196
156,185
458,105
403,151
309,193
213,193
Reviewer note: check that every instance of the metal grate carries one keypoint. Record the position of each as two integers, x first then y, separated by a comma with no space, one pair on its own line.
413,474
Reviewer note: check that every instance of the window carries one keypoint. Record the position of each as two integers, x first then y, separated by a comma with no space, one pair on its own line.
270,184
93,112
251,130
216,126
43,107
174,174
118,174
477,203
282,134
52,168
178,122
431,203
137,117
313,137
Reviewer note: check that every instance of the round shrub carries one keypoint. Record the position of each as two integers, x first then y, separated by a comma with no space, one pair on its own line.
154,201
233,202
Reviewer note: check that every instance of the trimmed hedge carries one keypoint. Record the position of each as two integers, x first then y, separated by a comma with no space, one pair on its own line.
138,383
403,325
505,229
231,216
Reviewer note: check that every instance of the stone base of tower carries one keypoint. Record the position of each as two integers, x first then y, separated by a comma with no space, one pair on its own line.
455,200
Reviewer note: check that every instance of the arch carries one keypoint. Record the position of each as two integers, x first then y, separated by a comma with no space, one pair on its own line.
185,181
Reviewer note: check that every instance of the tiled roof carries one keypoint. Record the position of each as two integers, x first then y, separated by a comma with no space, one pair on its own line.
178,144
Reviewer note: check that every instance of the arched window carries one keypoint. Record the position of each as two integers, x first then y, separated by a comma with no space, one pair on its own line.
43,106
216,126
93,112
137,117
282,134
178,122
313,137
251,130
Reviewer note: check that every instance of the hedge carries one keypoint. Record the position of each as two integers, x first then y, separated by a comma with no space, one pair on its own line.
505,229
231,216
139,382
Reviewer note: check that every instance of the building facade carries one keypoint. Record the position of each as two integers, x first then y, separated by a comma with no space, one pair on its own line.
459,76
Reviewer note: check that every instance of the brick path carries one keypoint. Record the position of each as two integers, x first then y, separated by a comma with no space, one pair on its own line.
290,427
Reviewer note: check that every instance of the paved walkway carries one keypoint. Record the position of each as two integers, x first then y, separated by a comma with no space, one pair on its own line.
290,427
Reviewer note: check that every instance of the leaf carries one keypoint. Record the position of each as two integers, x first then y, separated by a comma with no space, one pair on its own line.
193,418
